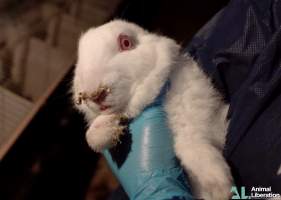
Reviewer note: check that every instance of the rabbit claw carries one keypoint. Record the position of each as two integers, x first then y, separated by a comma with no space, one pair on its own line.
118,132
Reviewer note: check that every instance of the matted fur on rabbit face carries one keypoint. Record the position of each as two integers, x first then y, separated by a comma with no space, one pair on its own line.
121,69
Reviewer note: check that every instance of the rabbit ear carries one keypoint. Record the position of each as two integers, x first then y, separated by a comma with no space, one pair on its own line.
167,55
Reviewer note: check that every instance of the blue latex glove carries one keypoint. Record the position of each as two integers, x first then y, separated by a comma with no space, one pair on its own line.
145,163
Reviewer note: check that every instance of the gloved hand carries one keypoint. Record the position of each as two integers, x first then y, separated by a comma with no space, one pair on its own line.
145,163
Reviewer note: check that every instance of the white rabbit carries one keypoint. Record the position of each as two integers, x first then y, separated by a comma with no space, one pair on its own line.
121,69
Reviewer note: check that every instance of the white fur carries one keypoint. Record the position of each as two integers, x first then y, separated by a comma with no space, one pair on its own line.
104,128
195,111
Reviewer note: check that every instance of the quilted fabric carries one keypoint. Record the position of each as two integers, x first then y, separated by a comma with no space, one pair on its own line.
240,49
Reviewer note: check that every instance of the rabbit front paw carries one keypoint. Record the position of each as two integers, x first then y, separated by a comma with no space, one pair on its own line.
105,131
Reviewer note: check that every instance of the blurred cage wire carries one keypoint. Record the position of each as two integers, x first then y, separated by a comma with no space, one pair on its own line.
38,41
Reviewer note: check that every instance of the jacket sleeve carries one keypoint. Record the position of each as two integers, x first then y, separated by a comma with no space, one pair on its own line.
240,49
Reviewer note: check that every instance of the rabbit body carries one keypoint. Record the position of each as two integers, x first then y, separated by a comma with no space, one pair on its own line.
135,65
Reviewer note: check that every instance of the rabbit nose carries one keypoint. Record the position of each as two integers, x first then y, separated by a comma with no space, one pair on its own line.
100,95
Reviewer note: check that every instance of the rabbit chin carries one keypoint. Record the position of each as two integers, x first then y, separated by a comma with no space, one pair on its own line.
112,110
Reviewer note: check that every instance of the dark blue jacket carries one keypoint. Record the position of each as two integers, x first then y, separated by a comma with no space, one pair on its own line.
240,48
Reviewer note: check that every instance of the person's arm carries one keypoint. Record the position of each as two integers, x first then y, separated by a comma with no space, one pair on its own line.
145,163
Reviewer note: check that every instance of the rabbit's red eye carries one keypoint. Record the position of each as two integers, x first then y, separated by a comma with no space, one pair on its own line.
125,42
